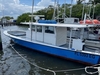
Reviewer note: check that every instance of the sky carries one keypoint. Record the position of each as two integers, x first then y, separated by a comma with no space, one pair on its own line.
15,8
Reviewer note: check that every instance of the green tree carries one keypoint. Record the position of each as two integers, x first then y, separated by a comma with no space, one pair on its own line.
49,14
22,18
79,1
50,6
97,10
67,9
95,1
8,17
77,10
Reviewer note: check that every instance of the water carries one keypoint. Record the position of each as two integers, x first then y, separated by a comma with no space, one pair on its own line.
12,64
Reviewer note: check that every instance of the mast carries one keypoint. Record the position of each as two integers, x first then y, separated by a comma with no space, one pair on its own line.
64,9
54,10
83,9
90,10
31,19
90,4
57,11
71,8
93,11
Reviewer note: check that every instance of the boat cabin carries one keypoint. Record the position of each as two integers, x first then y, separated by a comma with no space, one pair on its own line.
69,34
53,33
48,34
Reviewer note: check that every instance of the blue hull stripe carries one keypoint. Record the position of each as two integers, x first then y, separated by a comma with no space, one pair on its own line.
74,55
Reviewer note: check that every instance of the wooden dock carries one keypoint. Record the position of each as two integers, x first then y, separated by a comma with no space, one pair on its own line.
7,24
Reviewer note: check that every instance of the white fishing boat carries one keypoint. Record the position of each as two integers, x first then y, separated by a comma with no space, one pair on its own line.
68,40
50,37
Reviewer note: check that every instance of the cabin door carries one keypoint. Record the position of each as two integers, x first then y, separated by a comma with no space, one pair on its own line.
39,33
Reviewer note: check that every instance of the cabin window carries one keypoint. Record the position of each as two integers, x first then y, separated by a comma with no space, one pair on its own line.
33,27
39,28
76,20
49,29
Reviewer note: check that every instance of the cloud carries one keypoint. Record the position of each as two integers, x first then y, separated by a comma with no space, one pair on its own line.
14,8
74,1
45,3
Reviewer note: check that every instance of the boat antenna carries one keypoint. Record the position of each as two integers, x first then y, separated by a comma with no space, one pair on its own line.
57,11
83,9
93,10
90,8
64,9
54,10
71,8
31,19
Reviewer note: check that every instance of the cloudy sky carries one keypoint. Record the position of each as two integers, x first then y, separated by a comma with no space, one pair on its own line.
15,8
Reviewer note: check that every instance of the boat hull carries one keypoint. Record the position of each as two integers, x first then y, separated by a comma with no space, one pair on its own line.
79,56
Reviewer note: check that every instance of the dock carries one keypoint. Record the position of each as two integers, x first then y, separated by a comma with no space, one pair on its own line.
7,24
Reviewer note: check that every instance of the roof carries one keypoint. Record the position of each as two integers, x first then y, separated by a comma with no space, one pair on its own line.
61,25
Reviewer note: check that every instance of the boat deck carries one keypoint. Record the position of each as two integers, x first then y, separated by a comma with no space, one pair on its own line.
17,33
87,47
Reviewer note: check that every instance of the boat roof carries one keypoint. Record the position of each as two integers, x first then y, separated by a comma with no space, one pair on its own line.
75,25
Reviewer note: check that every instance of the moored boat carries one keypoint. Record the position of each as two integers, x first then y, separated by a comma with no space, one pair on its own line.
51,37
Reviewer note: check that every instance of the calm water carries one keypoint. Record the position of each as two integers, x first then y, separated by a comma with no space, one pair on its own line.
12,64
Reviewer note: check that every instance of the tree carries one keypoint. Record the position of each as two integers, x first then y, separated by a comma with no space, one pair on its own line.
97,10
22,18
49,14
65,7
8,17
50,6
96,1
77,10
79,1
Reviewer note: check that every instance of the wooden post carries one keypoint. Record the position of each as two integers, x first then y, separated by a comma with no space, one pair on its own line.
0,40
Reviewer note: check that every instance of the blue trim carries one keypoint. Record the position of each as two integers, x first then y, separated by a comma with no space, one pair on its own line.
48,21
70,54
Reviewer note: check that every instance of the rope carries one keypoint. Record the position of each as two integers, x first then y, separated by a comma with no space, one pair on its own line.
32,63
91,68
69,70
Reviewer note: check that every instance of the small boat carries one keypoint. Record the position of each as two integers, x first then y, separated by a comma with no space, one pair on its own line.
50,37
